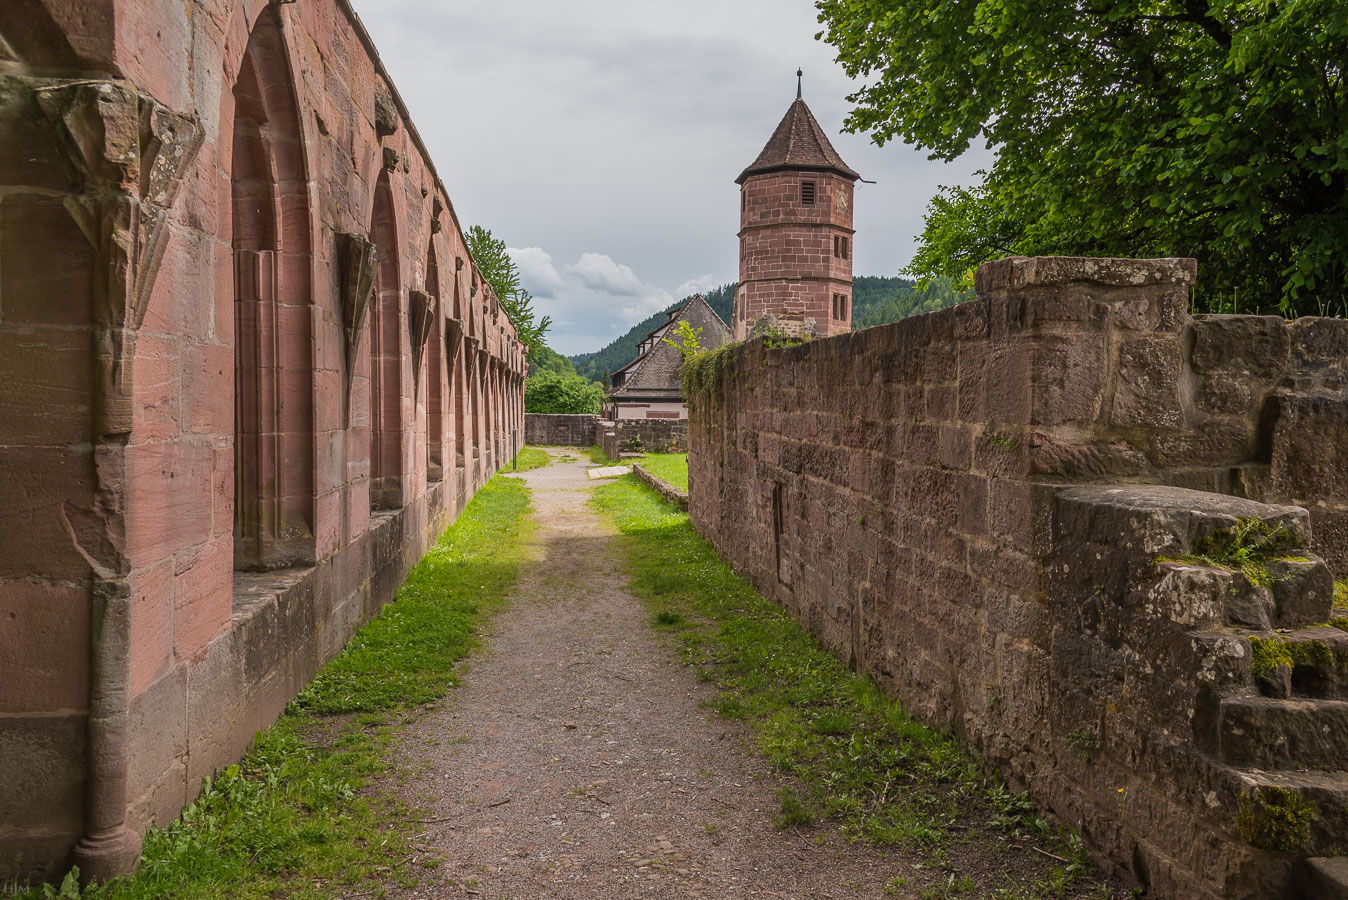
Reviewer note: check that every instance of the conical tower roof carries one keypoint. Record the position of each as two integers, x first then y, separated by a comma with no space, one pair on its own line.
798,143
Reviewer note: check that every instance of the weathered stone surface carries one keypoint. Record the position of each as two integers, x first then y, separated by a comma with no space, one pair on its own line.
1147,390
544,430
1240,343
1276,734
1310,443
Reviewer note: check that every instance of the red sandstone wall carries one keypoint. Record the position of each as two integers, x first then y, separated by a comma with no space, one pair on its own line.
787,262
131,489
922,473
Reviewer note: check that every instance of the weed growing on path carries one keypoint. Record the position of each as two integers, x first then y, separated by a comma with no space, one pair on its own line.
850,751
296,817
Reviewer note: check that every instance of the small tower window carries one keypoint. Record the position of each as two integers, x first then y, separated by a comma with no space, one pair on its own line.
840,248
744,200
807,193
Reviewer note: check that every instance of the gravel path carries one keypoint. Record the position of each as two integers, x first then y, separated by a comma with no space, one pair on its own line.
576,759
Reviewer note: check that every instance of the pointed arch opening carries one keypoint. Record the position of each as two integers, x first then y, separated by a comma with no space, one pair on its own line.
273,355
386,357
435,375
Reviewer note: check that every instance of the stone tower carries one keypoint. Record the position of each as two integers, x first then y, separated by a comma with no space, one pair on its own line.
796,232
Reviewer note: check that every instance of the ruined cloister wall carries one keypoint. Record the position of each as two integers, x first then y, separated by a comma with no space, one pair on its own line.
250,373
969,505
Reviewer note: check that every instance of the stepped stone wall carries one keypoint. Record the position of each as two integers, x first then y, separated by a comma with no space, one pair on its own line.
248,373
657,436
975,506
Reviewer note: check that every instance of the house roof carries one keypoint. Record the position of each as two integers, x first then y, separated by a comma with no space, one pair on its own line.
654,374
798,143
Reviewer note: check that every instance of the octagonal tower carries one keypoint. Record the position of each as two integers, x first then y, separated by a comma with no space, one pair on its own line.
796,232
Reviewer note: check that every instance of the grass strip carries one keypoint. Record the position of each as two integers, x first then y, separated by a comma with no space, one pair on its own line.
597,456
850,751
297,817
671,468
530,458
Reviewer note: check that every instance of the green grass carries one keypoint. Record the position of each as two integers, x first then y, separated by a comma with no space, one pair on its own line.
851,753
671,468
530,458
299,816
598,456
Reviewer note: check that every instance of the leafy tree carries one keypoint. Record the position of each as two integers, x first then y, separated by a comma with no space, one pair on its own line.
550,361
500,271
1214,128
687,339
549,393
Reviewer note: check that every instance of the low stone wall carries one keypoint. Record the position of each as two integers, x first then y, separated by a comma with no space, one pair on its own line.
554,430
969,504
657,436
664,488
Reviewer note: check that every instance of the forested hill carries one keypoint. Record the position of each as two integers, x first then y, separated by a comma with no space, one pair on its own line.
876,299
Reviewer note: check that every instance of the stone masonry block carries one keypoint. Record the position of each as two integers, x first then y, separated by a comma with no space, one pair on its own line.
1018,272
1146,391
1240,343
1310,446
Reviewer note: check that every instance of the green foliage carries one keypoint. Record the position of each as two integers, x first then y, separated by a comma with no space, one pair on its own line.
503,275
548,393
598,366
298,816
545,359
597,456
850,751
906,300
702,375
1248,547
686,339
1138,128
1275,818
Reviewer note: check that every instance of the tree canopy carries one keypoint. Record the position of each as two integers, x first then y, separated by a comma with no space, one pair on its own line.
1208,128
546,392
500,271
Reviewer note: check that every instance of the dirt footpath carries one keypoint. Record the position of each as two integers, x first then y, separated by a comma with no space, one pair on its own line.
576,760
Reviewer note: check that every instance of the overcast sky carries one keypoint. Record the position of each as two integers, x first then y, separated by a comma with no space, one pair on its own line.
601,140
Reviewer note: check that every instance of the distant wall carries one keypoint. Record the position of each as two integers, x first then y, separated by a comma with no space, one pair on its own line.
657,435
968,505
554,430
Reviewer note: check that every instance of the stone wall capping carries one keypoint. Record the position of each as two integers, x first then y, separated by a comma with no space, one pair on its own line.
1019,272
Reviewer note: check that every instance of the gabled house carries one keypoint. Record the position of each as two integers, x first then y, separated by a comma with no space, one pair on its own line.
648,386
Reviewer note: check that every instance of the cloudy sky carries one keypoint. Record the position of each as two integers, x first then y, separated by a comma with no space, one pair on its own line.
601,139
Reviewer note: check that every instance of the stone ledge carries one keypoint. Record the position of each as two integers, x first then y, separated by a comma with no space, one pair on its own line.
665,489
1016,272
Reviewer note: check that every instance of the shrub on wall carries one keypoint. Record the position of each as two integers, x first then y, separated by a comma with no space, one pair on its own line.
546,392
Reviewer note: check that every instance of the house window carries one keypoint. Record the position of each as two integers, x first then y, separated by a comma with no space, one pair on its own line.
807,193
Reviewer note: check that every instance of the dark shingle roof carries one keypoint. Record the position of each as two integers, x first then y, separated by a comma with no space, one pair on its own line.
798,143
655,374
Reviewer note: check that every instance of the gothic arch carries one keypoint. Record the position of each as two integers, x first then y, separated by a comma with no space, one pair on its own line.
435,373
386,356
273,356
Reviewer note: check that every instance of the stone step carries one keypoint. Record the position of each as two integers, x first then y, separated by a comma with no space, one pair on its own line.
1325,878
1327,794
1319,663
1276,735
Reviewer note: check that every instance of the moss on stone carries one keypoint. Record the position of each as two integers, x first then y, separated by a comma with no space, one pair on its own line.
703,374
1247,547
1269,653
1341,594
1312,653
1275,818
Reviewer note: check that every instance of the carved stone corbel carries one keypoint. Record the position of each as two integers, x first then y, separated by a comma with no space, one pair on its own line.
421,319
130,153
357,263
437,209
390,159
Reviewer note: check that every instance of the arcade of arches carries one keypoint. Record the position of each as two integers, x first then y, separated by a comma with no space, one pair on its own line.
252,372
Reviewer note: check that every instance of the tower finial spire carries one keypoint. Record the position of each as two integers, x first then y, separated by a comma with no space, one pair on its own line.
800,75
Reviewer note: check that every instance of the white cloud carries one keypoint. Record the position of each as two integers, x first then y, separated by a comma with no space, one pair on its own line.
537,273
699,285
598,272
